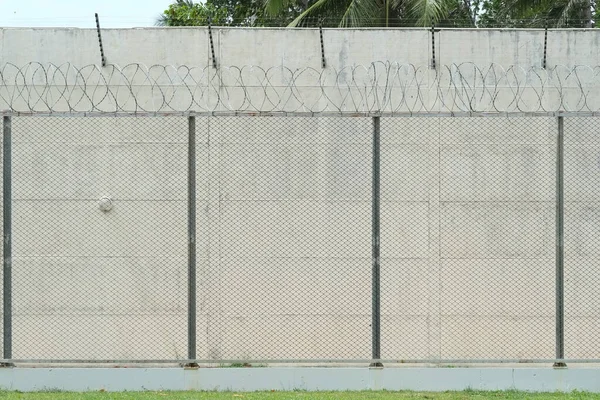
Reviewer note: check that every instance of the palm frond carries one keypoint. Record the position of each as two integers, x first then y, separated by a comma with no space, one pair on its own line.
361,13
161,20
328,7
567,7
520,6
427,11
275,7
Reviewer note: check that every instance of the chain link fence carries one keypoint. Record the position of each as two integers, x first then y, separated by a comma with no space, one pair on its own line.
99,237
582,239
300,238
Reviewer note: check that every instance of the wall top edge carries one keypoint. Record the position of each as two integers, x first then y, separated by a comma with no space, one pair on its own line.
156,28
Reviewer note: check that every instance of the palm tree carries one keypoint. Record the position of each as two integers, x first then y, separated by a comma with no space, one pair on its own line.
356,13
562,11
555,13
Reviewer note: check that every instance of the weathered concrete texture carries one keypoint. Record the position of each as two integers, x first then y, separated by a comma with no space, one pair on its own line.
284,236
284,212
450,249
311,379
171,70
122,46
298,47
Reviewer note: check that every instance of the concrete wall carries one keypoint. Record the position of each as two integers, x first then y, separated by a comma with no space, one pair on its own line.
298,47
93,283
525,88
284,213
283,243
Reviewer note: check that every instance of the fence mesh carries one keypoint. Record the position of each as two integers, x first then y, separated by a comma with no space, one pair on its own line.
290,238
582,242
97,278
284,211
409,273
497,237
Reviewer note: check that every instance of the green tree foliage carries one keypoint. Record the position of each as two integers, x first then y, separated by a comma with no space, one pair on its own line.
342,13
385,13
227,13
253,12
188,13
536,13
382,13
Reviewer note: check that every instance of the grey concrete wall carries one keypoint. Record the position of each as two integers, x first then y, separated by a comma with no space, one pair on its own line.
298,47
284,213
284,237
88,282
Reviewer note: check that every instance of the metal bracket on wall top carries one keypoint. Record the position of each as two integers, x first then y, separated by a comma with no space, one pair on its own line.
322,47
212,46
545,45
100,41
433,31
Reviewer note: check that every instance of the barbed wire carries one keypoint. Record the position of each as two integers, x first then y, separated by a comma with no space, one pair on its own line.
381,86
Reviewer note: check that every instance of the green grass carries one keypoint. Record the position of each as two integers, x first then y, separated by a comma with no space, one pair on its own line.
242,365
300,395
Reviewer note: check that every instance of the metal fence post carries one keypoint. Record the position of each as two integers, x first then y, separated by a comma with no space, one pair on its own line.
192,239
7,239
560,273
375,242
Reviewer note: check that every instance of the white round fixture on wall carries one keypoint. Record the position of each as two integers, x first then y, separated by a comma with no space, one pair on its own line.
105,204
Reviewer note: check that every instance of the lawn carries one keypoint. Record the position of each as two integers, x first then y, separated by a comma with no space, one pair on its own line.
468,395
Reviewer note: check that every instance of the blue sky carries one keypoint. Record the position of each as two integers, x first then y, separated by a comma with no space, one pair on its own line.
80,13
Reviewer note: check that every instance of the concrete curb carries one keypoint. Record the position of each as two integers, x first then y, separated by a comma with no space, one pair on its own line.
299,378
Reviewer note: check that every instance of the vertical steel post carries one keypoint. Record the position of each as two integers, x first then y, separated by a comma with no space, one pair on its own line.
560,272
375,242
191,239
7,239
